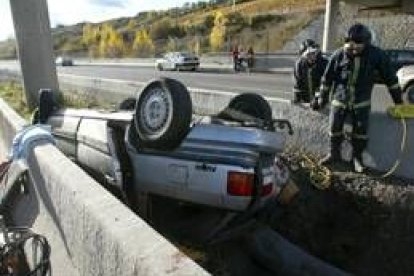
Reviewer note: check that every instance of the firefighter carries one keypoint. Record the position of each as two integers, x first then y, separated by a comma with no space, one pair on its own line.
350,78
307,43
308,71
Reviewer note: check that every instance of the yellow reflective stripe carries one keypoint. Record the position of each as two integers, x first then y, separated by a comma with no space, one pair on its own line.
360,136
394,86
336,134
338,104
362,104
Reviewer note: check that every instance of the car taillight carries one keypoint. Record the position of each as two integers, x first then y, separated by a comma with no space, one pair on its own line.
242,184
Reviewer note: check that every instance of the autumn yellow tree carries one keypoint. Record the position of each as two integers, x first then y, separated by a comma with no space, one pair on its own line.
218,32
90,38
143,45
111,43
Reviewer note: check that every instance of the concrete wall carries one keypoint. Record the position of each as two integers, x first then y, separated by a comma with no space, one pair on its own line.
391,28
90,231
313,31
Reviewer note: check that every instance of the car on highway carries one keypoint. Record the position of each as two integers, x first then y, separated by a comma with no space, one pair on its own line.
178,61
155,145
406,81
63,61
400,57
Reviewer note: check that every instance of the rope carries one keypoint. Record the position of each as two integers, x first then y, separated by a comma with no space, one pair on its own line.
319,175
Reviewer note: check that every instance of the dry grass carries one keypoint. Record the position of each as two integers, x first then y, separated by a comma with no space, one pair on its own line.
258,7
12,92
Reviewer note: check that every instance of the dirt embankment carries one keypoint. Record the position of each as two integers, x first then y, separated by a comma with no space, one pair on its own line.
363,224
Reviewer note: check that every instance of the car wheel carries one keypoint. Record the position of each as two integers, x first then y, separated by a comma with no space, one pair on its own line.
409,94
253,105
163,114
127,104
160,68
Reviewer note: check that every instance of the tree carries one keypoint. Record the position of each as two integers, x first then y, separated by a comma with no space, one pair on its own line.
218,32
111,43
91,38
143,45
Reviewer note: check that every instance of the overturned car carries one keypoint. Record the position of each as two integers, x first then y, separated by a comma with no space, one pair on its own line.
155,145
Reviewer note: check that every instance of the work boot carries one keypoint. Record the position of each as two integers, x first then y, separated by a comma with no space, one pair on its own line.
334,156
358,164
358,146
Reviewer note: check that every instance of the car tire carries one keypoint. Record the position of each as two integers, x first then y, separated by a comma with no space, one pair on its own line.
160,68
127,104
253,105
163,114
409,94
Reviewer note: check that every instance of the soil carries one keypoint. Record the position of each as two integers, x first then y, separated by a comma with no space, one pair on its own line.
362,223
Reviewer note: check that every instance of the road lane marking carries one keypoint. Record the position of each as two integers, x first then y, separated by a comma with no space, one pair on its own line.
194,89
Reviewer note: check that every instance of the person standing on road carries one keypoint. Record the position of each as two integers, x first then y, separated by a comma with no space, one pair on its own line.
350,77
250,57
236,55
308,72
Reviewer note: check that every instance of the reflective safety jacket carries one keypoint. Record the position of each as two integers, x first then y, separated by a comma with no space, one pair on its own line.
351,79
307,78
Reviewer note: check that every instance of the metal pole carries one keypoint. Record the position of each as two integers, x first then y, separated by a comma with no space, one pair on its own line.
35,48
329,32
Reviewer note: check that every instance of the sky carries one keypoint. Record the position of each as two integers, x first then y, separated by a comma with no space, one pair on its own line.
68,12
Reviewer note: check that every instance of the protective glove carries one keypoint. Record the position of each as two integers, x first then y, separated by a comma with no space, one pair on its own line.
315,104
318,102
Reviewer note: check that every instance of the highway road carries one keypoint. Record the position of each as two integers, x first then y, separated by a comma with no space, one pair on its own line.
271,85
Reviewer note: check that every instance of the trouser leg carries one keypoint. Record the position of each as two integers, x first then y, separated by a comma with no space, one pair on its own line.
336,121
360,124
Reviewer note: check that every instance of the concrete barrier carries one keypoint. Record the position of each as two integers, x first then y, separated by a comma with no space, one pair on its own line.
90,231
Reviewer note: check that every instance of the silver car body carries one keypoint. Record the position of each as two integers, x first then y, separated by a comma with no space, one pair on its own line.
178,61
197,171
405,76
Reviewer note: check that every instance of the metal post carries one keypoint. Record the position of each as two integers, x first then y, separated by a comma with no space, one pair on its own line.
329,32
35,48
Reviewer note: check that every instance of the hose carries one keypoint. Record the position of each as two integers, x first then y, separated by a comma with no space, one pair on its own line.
400,112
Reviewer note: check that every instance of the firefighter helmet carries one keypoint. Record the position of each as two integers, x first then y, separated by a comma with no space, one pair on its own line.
359,33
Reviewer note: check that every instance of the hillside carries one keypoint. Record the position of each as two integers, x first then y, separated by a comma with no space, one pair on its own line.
201,27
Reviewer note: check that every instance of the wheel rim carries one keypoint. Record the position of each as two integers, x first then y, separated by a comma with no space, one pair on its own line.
156,111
